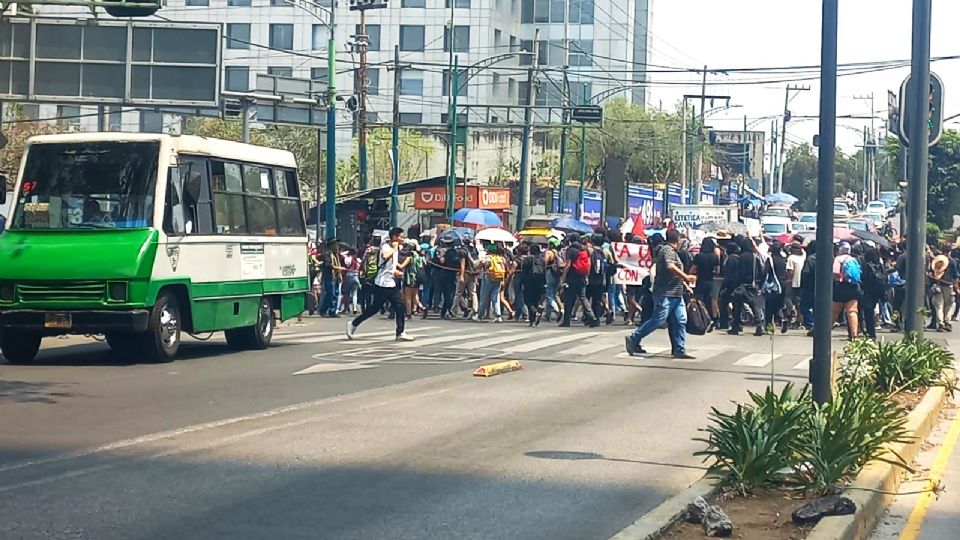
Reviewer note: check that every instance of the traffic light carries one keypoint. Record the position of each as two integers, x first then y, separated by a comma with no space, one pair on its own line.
135,8
934,117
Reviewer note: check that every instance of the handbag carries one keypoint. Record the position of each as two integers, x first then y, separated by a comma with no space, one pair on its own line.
771,285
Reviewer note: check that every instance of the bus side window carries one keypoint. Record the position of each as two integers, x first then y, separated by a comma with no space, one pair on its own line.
196,187
174,213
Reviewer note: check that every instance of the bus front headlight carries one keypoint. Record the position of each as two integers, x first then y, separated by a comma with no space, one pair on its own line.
117,291
7,292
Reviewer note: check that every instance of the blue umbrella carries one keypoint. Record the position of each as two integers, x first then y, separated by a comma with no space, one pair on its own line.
569,224
477,216
781,198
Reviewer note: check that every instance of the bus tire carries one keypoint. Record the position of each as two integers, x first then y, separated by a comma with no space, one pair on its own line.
258,336
19,347
161,341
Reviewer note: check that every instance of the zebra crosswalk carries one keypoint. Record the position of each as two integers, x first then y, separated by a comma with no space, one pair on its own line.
542,343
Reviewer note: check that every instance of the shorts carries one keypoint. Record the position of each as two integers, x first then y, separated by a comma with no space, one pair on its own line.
845,292
635,292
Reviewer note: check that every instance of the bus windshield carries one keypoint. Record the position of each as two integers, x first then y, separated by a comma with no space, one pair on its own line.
87,185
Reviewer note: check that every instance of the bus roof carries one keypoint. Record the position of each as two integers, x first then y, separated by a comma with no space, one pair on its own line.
189,144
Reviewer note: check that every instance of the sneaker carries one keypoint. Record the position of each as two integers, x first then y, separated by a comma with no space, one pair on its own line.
563,325
684,356
630,346
498,320
733,332
405,337
351,330
758,332
475,318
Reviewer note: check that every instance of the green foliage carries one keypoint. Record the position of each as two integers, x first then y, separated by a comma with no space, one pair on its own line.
753,445
909,364
800,174
933,233
943,180
839,437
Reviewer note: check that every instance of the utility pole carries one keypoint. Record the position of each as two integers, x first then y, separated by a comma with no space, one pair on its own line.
395,143
868,151
527,131
698,181
583,162
746,159
866,175
783,136
363,42
565,128
452,176
101,119
766,188
245,121
683,161
331,126
821,365
917,186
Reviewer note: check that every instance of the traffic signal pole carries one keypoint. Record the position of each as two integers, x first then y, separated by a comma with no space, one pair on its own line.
527,132
331,220
918,109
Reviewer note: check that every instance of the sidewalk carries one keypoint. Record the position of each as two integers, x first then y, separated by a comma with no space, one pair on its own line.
926,516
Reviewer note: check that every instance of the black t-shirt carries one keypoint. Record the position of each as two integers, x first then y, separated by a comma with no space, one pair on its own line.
706,264
780,269
902,266
749,272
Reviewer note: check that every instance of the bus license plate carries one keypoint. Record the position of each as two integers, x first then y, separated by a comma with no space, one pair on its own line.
58,320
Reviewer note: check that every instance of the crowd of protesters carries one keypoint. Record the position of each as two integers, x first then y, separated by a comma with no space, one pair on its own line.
764,284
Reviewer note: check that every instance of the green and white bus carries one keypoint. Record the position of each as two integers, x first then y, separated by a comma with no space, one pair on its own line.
142,237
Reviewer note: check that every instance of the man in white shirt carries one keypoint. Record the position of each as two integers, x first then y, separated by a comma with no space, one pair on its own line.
386,287
795,262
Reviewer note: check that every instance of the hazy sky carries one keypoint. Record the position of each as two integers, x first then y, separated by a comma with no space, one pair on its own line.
753,33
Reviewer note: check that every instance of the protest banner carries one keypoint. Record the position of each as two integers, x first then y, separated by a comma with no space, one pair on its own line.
635,263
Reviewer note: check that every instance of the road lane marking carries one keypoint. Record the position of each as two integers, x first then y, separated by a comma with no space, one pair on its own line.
505,337
756,360
915,522
537,344
328,368
804,365
342,336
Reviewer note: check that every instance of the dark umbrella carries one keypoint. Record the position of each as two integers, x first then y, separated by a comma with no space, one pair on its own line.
457,236
569,224
873,237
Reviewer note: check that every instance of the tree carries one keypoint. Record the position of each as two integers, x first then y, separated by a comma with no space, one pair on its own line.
943,177
800,175
17,131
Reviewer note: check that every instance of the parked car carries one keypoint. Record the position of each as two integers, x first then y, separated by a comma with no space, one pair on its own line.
881,207
809,219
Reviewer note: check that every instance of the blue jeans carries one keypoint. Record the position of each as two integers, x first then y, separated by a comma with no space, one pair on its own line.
489,296
328,299
672,310
553,283
806,307
614,298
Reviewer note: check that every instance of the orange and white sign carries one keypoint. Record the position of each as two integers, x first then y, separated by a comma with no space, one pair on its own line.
488,198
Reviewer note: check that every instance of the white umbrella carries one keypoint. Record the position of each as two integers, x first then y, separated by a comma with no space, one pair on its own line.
496,235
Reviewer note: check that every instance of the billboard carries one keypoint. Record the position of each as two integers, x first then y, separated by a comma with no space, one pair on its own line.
487,198
592,205
64,60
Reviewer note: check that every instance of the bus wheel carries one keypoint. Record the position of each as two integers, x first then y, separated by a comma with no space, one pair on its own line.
161,341
258,336
19,347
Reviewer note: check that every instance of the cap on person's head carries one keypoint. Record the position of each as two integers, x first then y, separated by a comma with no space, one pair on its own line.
553,241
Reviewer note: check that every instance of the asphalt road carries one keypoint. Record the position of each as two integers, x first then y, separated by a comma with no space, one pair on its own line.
322,438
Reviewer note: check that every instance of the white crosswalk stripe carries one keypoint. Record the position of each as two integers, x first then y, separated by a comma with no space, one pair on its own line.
595,346
804,365
500,338
453,334
756,360
329,337
536,344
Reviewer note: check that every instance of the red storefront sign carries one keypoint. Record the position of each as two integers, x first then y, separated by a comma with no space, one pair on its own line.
489,198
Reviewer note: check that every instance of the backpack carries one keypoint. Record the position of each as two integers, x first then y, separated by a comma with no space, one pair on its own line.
698,318
874,279
451,259
496,268
598,266
581,265
533,266
851,272
807,274
371,265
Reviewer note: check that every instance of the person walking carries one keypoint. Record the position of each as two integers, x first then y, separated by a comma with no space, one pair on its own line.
776,266
573,282
847,276
494,272
533,276
554,267
386,288
791,286
351,282
331,270
706,266
941,289
874,289
750,272
668,288
730,272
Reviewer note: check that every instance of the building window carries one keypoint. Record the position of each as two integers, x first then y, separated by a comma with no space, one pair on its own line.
522,98
238,3
526,45
151,122
511,88
281,36
196,3
543,53
280,71
497,82
114,118
68,115
238,35
413,3
581,92
556,10
411,38
497,37
461,39
461,91
580,51
373,81
318,74
279,3
541,11
465,4
373,36
411,82
411,118
461,119
581,11
319,37
236,79
526,11
513,44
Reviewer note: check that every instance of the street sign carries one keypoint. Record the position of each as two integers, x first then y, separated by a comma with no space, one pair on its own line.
934,110
893,112
588,114
363,5
46,59
291,101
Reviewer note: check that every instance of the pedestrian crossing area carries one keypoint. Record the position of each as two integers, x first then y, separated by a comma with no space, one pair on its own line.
545,344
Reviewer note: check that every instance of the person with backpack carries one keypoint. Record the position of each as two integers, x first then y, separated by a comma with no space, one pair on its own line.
847,277
941,289
808,282
351,282
554,268
494,273
466,293
573,282
369,266
534,278
774,285
750,274
597,277
331,270
446,269
874,289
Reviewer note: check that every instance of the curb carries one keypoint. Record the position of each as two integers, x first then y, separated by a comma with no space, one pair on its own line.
881,477
490,370
655,522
